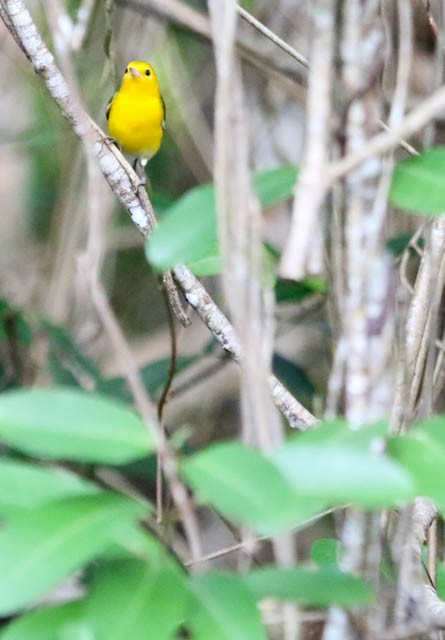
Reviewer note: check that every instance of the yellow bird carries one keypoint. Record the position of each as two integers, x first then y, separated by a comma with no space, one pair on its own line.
136,112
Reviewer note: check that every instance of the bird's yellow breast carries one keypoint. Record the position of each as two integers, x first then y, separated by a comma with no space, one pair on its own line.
136,121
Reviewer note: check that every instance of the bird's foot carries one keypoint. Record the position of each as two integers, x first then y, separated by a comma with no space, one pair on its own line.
109,141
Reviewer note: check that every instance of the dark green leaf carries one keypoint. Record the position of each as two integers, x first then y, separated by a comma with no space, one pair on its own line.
225,609
293,377
70,424
41,547
65,358
314,587
418,185
243,484
45,624
397,244
290,291
26,486
132,600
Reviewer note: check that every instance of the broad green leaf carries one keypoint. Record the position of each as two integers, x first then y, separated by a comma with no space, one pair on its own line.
210,265
41,547
338,432
187,233
26,486
315,587
243,484
343,473
72,425
418,185
225,609
275,185
132,600
325,552
422,453
44,624
186,230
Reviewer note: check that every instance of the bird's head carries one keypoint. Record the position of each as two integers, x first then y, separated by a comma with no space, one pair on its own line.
142,75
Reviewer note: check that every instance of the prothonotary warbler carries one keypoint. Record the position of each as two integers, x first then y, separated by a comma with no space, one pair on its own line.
136,112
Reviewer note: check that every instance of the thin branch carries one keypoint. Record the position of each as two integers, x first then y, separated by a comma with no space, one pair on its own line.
164,395
248,17
382,142
241,545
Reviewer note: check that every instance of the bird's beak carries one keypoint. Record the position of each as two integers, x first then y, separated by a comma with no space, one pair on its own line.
134,72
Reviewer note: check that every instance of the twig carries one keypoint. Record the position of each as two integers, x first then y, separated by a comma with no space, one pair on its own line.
429,16
382,142
108,39
240,545
200,376
248,17
164,395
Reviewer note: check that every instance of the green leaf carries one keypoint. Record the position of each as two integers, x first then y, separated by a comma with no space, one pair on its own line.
325,552
225,609
290,291
338,432
243,484
343,473
187,233
209,265
315,587
186,230
26,486
422,453
72,425
275,185
293,377
65,357
397,244
418,185
41,547
440,586
133,600
44,624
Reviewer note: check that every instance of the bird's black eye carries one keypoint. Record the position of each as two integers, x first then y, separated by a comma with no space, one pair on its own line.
126,70
148,72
